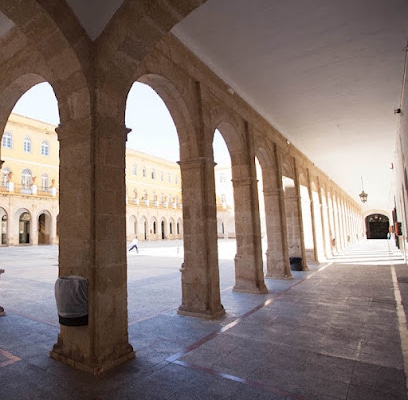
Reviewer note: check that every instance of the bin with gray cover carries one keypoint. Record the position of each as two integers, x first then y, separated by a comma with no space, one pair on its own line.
71,294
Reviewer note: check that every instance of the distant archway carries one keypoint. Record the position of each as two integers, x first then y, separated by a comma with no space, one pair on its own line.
24,227
377,226
44,228
4,226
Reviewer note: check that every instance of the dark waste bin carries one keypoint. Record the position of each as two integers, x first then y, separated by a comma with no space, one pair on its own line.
295,263
71,294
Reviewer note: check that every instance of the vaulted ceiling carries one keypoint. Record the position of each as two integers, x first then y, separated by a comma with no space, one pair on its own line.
326,74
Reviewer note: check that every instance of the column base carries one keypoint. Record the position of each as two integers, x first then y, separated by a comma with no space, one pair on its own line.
278,276
252,290
207,314
94,369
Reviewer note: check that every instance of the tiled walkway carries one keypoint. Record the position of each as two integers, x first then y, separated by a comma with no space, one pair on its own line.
330,333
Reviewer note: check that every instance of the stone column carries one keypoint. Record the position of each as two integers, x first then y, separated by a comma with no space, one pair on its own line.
249,276
248,260
34,226
326,223
93,242
298,205
199,272
313,216
277,255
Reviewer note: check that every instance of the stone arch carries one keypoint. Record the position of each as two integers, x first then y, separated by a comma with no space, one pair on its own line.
163,228
287,169
44,221
132,227
23,218
3,226
153,227
144,230
169,92
377,226
137,27
55,43
232,130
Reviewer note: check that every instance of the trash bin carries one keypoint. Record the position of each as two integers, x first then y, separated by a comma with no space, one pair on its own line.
71,295
295,263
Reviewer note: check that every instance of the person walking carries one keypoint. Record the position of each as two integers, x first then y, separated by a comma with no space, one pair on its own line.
133,245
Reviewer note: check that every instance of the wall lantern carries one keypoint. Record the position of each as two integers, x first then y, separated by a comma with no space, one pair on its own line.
363,195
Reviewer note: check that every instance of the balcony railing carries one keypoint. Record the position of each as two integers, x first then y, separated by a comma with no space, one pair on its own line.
154,203
34,190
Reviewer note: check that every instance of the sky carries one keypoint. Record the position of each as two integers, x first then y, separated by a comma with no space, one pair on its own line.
153,130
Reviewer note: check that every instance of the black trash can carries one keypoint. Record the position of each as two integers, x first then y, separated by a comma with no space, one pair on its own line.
71,294
295,263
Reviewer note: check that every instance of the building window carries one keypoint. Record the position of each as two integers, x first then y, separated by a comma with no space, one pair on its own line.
44,148
176,179
44,182
222,178
26,178
144,172
134,169
7,140
161,176
169,177
153,173
27,145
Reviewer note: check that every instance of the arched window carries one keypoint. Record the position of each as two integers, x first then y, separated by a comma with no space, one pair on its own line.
153,173
44,148
27,145
7,141
26,178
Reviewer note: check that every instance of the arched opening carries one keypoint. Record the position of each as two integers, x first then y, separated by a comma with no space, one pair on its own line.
163,230
223,188
152,152
377,226
44,228
31,160
24,228
4,226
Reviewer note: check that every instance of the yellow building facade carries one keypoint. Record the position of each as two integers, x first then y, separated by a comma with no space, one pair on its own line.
29,190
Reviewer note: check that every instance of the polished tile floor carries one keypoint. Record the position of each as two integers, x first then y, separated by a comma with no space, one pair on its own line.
337,331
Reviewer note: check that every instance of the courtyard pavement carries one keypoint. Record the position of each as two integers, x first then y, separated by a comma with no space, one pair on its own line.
337,331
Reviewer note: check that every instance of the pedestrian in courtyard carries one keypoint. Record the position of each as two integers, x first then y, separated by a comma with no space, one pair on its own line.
133,245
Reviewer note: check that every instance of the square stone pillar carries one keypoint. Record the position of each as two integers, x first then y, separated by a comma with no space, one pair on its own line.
93,244
200,274
249,276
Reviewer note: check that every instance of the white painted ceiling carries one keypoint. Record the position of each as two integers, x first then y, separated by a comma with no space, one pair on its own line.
326,73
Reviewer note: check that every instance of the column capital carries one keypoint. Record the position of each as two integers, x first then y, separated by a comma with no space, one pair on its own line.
193,163
247,181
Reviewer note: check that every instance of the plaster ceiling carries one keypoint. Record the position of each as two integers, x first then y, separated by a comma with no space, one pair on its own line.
327,74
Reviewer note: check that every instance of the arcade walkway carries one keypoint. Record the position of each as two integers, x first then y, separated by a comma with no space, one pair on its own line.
330,333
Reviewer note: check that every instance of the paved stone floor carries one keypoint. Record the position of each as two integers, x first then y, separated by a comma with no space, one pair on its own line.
337,331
